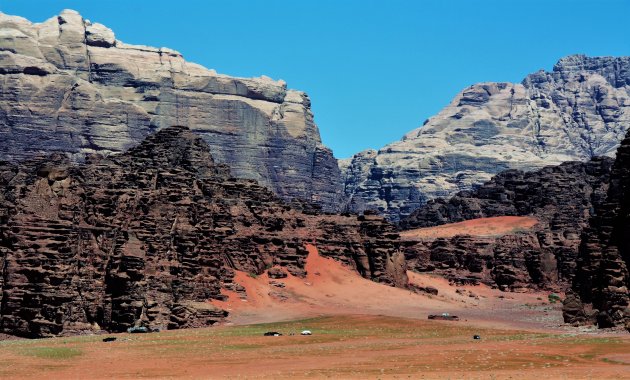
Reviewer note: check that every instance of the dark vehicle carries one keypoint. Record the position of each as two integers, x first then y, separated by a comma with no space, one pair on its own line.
444,317
272,333
109,339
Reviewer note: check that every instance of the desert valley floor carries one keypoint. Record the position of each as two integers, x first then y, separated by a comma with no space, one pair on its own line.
361,329
161,219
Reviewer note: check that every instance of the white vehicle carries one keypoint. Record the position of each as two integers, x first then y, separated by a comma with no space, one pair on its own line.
306,332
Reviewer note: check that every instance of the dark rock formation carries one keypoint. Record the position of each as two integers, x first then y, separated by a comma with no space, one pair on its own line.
425,289
573,310
562,198
511,262
579,110
67,85
149,236
602,279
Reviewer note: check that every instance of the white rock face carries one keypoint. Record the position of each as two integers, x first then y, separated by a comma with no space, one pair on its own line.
579,110
68,85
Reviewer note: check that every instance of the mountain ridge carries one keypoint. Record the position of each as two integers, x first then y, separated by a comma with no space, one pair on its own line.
68,85
578,110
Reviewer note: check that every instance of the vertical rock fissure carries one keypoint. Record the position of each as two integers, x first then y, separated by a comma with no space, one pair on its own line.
87,51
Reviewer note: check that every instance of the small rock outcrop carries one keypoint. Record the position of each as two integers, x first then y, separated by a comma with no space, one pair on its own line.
67,85
602,279
574,311
148,237
510,262
579,110
561,198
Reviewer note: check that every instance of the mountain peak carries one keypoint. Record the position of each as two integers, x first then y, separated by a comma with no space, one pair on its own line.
579,110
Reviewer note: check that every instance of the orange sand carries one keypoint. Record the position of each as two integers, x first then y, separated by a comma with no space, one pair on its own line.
330,288
495,226
342,347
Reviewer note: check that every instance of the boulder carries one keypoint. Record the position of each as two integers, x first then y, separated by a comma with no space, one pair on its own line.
276,273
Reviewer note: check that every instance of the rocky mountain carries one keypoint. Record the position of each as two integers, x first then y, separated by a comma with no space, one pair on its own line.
147,237
67,85
579,110
560,198
602,279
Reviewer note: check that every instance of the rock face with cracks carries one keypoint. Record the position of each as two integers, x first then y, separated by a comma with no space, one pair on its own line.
602,279
67,85
579,110
148,236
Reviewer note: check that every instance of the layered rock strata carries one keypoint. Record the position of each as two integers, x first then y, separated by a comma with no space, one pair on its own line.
561,198
149,236
602,280
511,262
67,85
579,110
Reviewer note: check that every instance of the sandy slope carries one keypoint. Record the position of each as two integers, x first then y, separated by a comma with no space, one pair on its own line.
330,288
495,226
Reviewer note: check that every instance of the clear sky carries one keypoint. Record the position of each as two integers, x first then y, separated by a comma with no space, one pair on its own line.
374,69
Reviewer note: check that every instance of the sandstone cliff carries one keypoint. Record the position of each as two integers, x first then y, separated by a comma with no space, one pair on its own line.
512,260
560,198
602,280
148,236
67,85
579,110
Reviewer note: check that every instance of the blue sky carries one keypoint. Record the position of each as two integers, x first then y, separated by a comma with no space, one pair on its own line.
374,69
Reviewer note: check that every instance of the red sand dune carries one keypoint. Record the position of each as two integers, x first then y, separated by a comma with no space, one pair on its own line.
495,226
330,288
